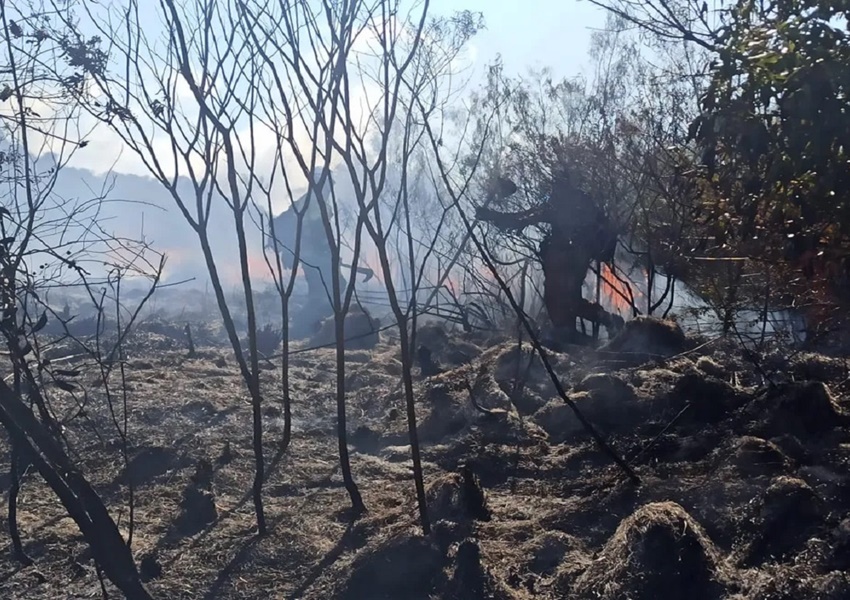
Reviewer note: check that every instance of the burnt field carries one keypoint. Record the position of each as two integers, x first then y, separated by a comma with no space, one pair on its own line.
743,461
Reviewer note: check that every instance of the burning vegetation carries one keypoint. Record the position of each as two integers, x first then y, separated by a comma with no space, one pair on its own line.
620,295
431,376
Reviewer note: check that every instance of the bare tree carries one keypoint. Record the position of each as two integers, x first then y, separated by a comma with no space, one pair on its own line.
287,73
418,68
205,149
50,243
392,48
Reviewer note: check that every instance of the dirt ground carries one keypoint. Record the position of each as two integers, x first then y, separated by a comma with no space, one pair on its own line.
743,461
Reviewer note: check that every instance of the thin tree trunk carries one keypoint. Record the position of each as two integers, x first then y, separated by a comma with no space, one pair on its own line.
284,373
14,488
248,375
259,459
15,472
650,284
357,504
731,298
407,378
254,378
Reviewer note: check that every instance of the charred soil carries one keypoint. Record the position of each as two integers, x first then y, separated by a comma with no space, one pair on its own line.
744,467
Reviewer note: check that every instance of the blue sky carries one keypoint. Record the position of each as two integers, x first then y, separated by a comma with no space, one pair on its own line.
527,33
533,33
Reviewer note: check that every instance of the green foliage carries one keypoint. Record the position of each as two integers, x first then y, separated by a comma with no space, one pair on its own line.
775,131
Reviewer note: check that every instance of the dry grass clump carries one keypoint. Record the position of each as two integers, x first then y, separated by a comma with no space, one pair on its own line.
806,408
812,366
405,566
649,336
787,513
660,551
751,456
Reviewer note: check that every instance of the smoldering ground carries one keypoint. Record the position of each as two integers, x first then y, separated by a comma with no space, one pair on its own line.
744,488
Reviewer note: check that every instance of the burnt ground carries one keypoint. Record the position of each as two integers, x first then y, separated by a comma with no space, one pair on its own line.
745,493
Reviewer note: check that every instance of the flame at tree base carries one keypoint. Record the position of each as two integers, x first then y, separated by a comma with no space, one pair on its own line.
618,295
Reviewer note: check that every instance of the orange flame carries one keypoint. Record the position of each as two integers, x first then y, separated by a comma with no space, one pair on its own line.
614,292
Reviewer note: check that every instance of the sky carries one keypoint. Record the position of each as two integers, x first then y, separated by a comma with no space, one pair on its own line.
527,34
533,33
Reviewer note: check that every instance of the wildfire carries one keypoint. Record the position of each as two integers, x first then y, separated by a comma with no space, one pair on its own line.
614,292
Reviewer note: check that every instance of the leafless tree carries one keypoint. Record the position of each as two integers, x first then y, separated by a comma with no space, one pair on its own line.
325,83
51,243
200,130
394,59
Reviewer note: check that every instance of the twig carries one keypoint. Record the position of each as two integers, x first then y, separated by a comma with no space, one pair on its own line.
663,431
